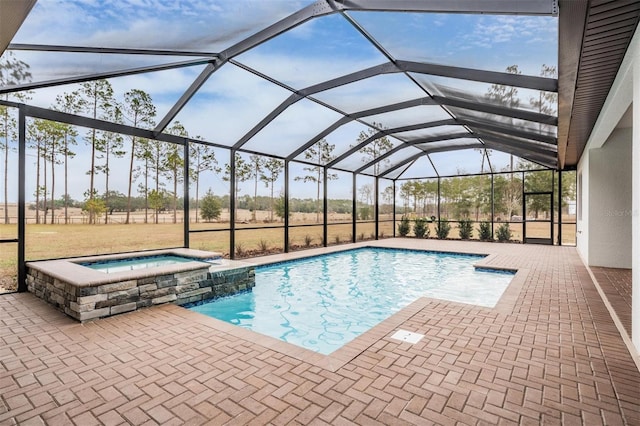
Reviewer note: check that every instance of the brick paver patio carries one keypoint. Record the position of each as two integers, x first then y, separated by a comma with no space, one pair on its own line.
616,284
548,353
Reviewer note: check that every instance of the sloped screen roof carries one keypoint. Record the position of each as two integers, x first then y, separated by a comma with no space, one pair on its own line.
440,82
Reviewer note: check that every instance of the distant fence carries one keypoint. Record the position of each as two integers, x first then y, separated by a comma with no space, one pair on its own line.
74,220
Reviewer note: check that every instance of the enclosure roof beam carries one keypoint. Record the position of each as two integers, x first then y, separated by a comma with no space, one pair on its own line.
326,132
532,146
360,114
538,83
424,101
497,7
506,139
292,99
102,75
78,120
388,132
303,93
459,135
497,110
316,9
427,152
402,163
547,160
92,123
471,74
106,50
386,68
511,131
188,94
319,8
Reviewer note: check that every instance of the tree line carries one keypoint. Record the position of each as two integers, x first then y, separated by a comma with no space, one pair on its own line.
156,169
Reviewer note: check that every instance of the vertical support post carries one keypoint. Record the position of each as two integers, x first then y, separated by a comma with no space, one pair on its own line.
232,204
325,207
438,199
185,198
635,199
354,215
394,208
286,206
493,207
22,148
553,186
559,207
376,211
524,214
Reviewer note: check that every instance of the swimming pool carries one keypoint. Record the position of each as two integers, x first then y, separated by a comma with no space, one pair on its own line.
323,302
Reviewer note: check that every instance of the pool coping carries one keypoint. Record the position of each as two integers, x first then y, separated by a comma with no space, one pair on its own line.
342,356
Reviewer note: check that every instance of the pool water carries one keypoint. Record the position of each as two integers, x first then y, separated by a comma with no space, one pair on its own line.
323,302
135,263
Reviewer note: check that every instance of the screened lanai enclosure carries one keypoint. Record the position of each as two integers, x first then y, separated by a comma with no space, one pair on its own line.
257,127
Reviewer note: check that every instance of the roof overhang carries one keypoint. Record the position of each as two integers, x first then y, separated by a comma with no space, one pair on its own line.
593,40
12,14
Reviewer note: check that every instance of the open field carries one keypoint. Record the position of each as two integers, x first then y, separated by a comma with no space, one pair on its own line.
59,241
75,216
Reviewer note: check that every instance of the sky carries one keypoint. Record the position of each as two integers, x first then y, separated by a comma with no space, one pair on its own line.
233,100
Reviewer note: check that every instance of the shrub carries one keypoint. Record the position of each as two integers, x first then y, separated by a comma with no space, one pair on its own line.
263,245
308,239
485,231
240,251
210,207
403,226
420,229
361,236
504,232
365,212
372,236
442,229
465,229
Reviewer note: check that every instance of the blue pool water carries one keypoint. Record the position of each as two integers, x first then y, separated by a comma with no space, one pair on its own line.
135,263
323,302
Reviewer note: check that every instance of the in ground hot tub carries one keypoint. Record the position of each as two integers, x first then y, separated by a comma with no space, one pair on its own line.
111,266
100,286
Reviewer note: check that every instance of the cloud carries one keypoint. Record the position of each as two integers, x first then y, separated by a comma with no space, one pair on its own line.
489,31
303,70
189,25
232,101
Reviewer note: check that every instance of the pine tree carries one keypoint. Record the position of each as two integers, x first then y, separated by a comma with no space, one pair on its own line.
507,96
242,174
98,98
140,110
320,153
12,71
375,148
174,164
201,159
274,167
71,103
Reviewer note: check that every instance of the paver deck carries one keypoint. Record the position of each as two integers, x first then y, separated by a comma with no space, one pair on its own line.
549,353
616,285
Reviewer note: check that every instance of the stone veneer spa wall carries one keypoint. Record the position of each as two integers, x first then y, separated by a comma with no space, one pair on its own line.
112,294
